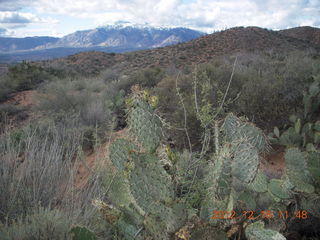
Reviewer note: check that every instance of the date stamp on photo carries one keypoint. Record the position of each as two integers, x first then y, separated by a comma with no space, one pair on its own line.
251,215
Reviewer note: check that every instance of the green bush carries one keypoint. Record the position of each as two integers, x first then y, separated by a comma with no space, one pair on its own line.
148,77
64,97
24,76
43,223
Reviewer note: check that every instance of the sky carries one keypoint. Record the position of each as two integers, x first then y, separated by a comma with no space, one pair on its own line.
21,18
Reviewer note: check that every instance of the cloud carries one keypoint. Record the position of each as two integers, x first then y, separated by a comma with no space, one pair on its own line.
209,14
205,15
18,23
3,31
15,17
13,5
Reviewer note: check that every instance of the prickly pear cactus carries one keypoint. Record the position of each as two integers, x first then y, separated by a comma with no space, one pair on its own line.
256,231
149,182
235,130
219,182
145,191
245,162
297,172
235,167
144,124
260,183
120,150
311,203
277,189
313,160
247,201
290,138
82,233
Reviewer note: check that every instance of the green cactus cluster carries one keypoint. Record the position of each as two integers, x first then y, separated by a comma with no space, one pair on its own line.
311,99
297,172
147,195
303,131
235,168
235,182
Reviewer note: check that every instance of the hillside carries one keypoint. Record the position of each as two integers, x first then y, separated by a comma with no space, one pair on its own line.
200,50
19,44
308,34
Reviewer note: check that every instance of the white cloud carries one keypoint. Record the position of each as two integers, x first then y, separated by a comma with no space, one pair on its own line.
207,15
13,5
12,21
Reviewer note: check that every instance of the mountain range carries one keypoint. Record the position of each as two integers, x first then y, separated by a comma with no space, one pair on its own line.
115,38
238,40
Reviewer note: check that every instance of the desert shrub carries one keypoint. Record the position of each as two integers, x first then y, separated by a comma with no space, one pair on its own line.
148,77
5,88
10,113
110,75
265,88
9,109
64,97
37,168
172,109
25,76
43,223
271,88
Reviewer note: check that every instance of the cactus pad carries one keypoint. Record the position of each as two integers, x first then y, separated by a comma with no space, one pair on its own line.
144,124
297,172
235,130
149,182
119,153
256,231
82,233
245,162
247,200
276,187
260,183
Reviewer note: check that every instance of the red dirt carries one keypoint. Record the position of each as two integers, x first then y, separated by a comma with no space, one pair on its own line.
94,159
23,98
273,164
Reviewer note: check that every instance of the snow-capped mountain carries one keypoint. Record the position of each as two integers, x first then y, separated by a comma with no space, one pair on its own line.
120,37
133,37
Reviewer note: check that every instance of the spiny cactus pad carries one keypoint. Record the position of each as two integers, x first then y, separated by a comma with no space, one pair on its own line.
290,138
144,124
297,172
219,178
256,231
260,183
119,153
82,233
247,201
245,162
149,182
313,159
235,130
276,187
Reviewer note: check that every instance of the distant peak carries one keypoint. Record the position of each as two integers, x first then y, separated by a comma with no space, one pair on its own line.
127,24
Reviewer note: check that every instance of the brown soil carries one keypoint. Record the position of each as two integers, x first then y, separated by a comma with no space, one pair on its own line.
273,164
95,159
23,98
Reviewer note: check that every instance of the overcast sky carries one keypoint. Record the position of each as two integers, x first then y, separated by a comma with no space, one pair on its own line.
20,18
